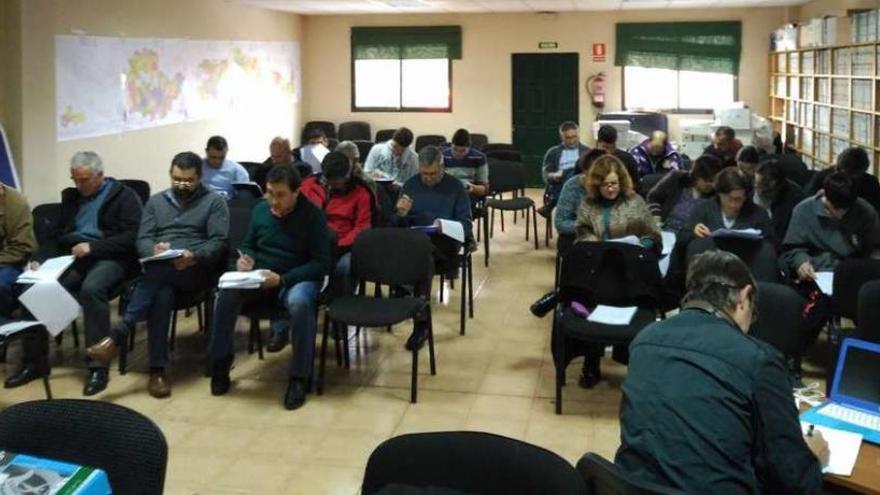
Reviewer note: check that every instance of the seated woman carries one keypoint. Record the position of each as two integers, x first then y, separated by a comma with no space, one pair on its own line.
572,195
733,209
679,191
611,209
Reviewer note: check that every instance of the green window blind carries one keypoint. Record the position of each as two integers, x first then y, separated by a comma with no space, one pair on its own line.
692,46
404,42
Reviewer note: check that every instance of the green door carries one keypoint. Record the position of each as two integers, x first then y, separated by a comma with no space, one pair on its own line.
545,94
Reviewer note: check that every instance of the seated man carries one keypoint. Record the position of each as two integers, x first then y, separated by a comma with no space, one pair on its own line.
724,145
187,217
314,149
832,225
219,174
706,408
558,165
655,155
349,206
606,139
393,160
747,160
468,165
853,162
776,194
429,196
676,195
99,221
17,244
279,154
288,239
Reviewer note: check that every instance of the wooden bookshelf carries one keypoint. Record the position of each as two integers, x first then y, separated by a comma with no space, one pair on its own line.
826,99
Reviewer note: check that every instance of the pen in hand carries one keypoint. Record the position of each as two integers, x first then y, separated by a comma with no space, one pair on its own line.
810,430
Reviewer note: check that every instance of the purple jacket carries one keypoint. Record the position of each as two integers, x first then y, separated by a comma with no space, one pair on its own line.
648,165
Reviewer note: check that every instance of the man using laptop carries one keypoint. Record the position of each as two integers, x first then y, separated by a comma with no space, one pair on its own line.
707,408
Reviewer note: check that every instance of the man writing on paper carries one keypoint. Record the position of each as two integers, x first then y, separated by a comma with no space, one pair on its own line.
427,197
559,165
394,159
287,239
219,173
99,221
187,217
314,149
708,409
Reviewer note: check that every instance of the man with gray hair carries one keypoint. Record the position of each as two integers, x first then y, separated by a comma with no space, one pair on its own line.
99,224
706,408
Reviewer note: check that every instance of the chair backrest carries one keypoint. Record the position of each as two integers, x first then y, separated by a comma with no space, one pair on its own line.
509,155
868,320
779,322
364,147
648,182
479,141
469,462
497,146
611,273
383,135
429,140
252,168
392,256
349,131
332,143
47,222
123,443
329,128
849,275
506,176
604,478
141,187
240,214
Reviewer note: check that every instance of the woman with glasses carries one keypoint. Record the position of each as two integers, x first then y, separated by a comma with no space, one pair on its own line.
612,210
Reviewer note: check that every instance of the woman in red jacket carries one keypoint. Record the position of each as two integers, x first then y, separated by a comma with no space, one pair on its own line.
348,204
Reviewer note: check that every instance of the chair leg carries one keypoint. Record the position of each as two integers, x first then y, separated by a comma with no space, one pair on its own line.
486,241
470,284
414,380
173,334
492,223
548,230
515,213
432,359
442,285
75,329
45,368
131,337
123,357
527,226
478,220
463,303
346,353
322,360
199,309
337,345
534,225
501,213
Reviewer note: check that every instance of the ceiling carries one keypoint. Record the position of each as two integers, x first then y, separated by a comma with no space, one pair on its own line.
348,7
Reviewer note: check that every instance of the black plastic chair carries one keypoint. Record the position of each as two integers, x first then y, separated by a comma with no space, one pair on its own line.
429,140
504,177
364,148
607,273
497,146
648,182
604,478
779,322
329,128
507,155
123,443
869,312
350,131
413,266
140,187
479,141
383,135
469,462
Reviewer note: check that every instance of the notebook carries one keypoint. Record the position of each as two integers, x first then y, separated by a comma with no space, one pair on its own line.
854,404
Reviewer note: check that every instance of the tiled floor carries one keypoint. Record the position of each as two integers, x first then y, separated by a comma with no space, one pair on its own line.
498,378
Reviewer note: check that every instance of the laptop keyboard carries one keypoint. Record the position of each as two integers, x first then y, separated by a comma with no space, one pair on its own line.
854,416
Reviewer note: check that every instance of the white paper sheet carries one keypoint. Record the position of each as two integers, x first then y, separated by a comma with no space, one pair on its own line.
168,254
825,281
630,239
844,447
242,280
451,228
612,315
51,269
313,155
752,234
17,326
51,305
668,241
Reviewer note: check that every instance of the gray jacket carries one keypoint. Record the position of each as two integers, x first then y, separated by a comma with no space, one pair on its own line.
816,237
202,226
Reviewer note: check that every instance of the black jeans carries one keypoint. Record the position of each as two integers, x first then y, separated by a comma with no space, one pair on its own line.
92,281
153,301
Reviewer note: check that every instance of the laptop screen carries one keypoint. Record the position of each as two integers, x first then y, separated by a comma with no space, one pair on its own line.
859,377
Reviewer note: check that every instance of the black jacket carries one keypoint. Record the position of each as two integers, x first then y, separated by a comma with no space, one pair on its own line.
789,197
708,409
118,219
632,166
668,190
866,185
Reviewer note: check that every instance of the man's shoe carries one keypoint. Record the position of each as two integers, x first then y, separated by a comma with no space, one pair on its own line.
159,386
295,396
416,340
25,375
545,211
97,382
590,376
220,381
277,341
106,350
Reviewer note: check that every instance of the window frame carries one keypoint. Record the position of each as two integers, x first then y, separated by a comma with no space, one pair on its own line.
674,111
401,109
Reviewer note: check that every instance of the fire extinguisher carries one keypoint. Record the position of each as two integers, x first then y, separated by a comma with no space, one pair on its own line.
596,89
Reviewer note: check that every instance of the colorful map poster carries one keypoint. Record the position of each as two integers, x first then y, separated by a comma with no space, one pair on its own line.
107,85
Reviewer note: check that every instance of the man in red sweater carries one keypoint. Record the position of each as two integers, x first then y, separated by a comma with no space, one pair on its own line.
348,204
